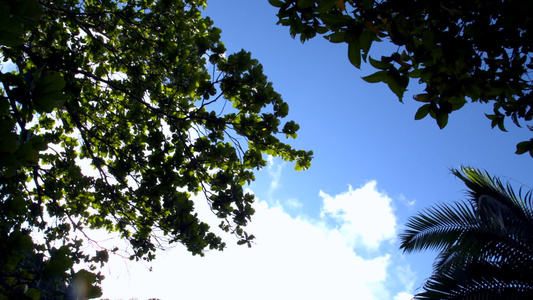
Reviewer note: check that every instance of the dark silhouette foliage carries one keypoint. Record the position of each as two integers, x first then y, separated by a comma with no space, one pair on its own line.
460,51
485,243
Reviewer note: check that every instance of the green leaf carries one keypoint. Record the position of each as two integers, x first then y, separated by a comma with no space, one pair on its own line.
366,39
442,119
4,106
337,37
497,120
283,110
336,20
33,294
9,36
422,112
417,73
458,103
427,39
9,142
305,3
21,241
100,71
15,18
276,3
290,128
85,281
396,82
379,64
17,205
379,76
525,146
325,6
47,91
354,54
422,98
367,4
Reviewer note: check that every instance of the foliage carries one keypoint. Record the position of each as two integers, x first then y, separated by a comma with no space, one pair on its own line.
115,115
485,243
459,50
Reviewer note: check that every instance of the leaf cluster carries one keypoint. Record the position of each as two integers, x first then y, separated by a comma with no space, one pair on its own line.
459,50
117,114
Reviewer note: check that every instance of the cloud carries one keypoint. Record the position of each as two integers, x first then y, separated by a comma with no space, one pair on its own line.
274,170
293,203
293,257
403,296
408,203
364,215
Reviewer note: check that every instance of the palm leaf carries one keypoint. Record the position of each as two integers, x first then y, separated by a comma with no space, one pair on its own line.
438,228
481,184
485,242
480,280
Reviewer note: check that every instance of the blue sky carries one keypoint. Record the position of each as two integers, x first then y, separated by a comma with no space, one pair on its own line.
330,231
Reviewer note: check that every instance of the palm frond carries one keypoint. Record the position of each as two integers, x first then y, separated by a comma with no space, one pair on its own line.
481,184
438,227
481,280
485,242
480,245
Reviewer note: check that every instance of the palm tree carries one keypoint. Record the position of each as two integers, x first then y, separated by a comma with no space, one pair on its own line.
485,243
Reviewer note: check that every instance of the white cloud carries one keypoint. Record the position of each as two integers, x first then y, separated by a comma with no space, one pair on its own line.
403,296
274,170
293,203
365,215
292,259
405,278
408,203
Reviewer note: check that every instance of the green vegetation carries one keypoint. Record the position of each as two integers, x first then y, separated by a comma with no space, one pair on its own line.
485,243
141,93
459,50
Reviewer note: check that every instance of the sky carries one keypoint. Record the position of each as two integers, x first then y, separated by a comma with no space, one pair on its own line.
330,231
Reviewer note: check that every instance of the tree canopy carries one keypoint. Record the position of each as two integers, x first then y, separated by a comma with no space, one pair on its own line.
113,114
484,243
458,50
